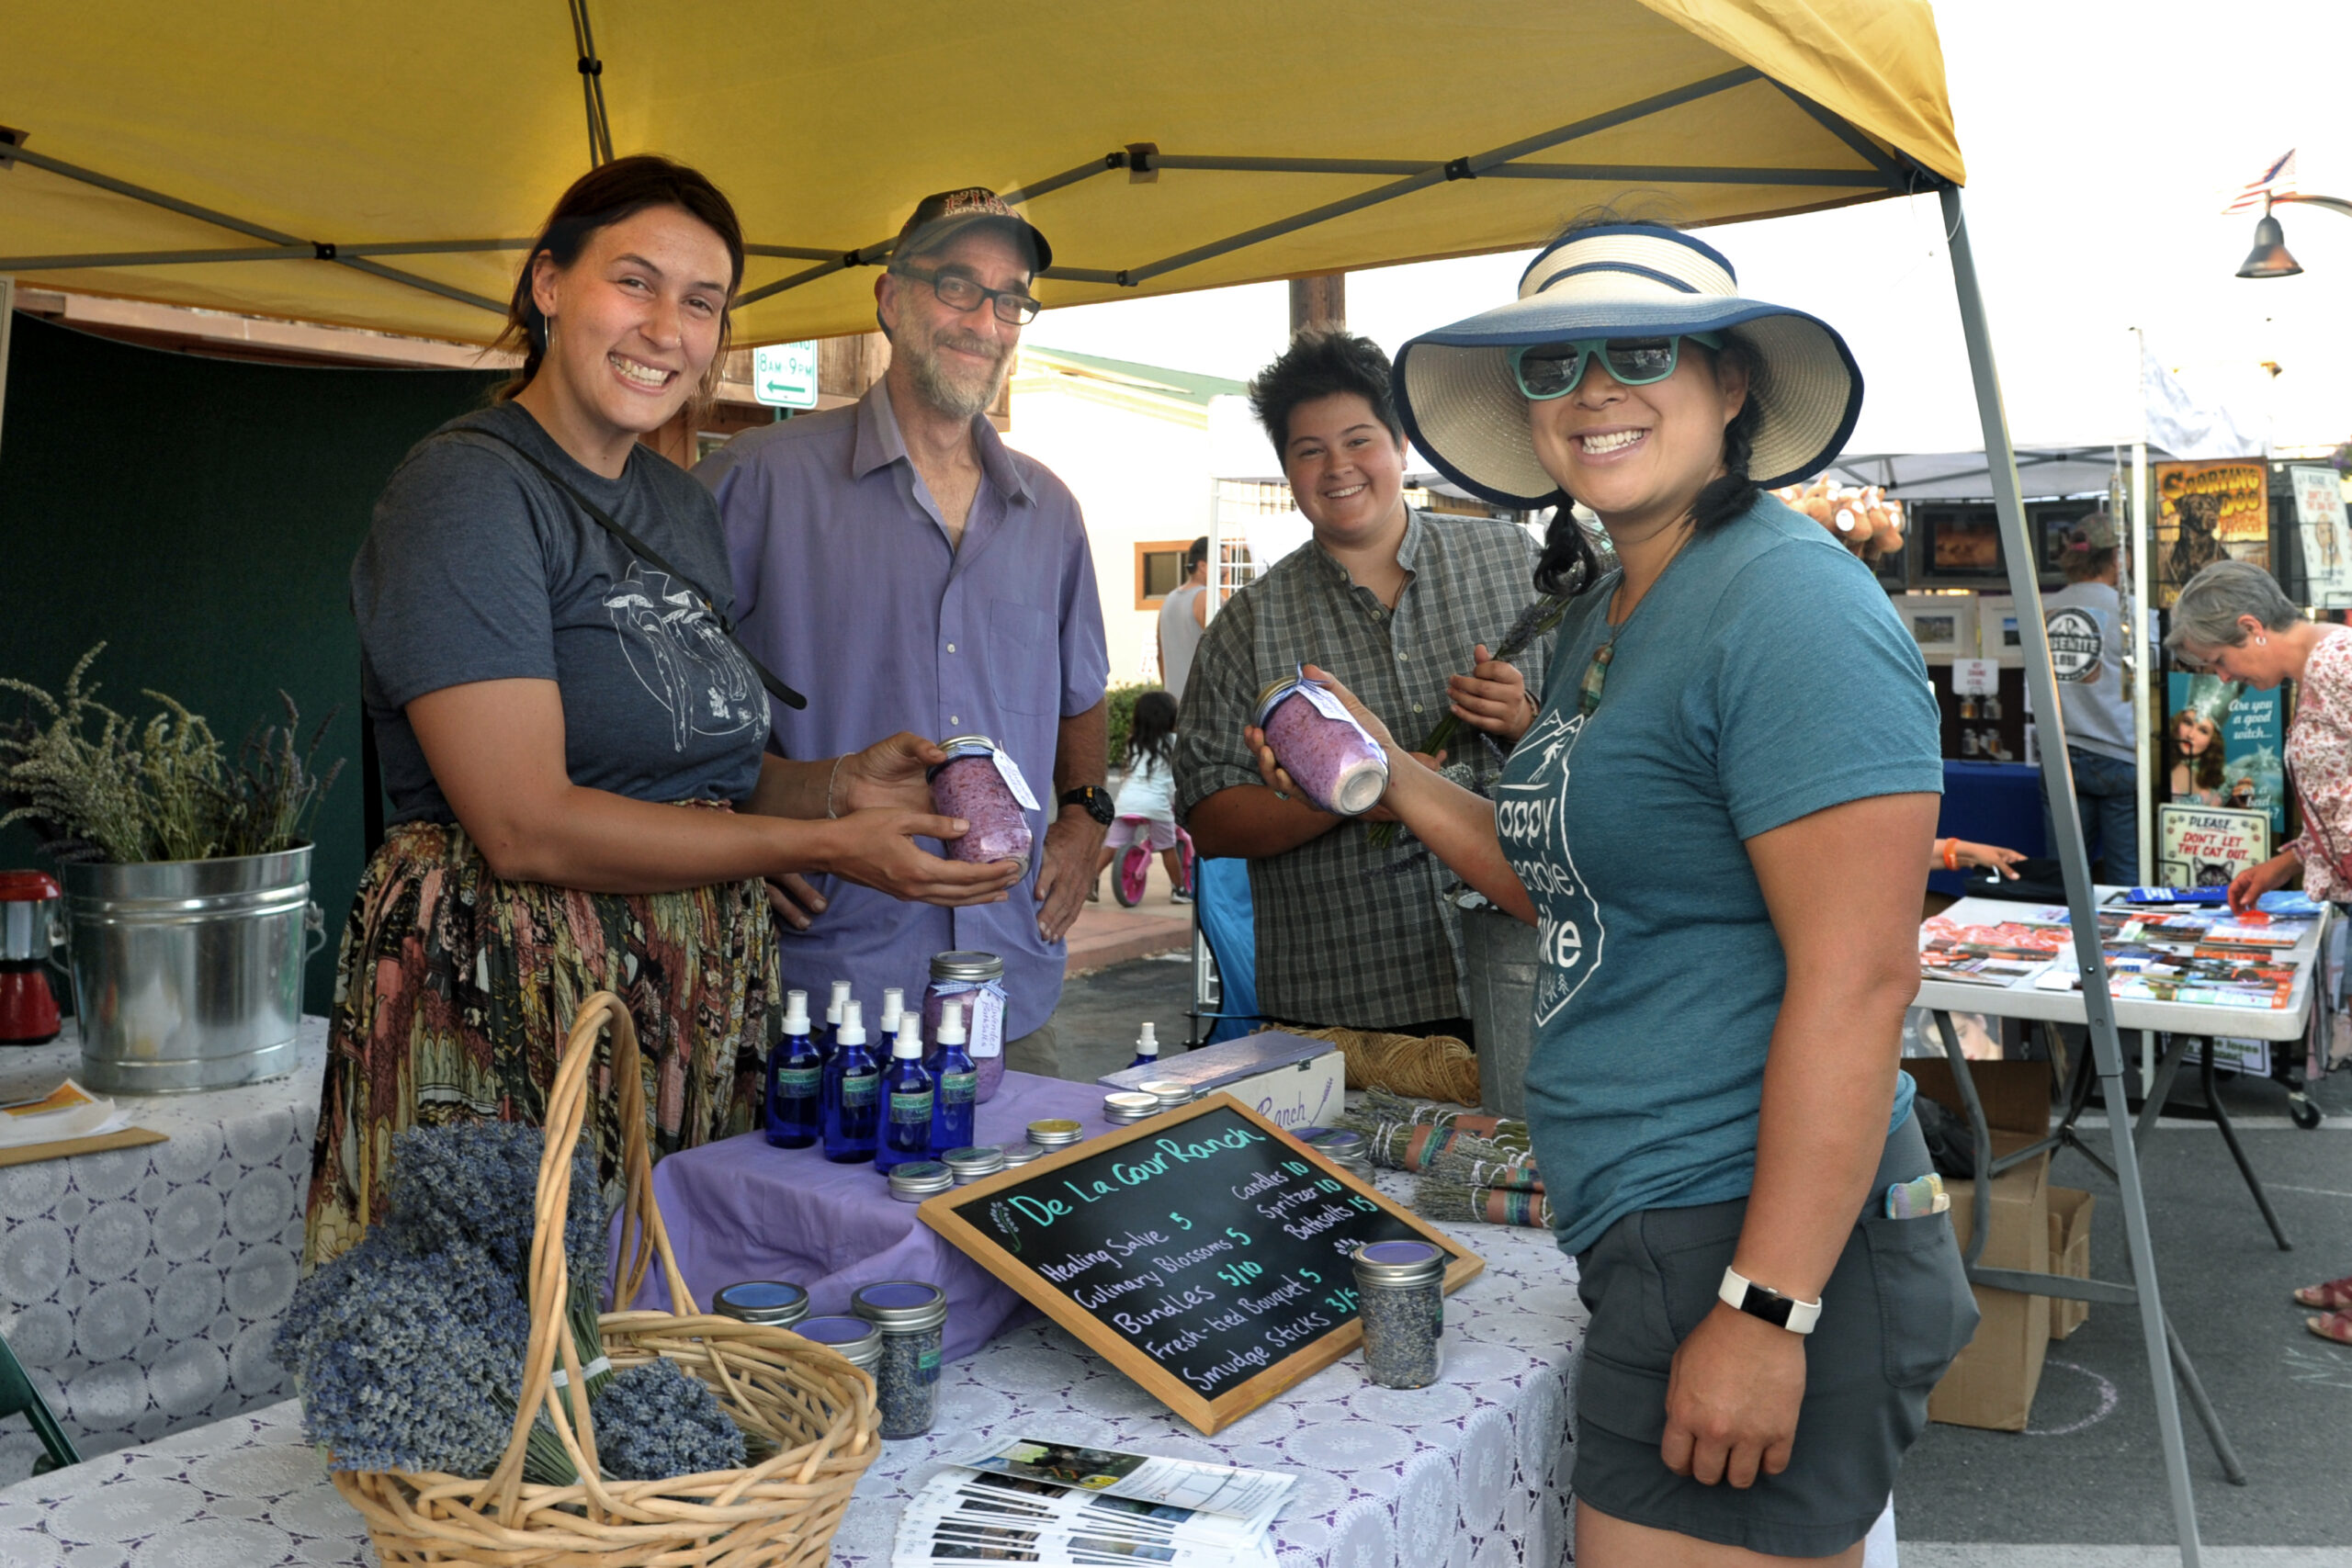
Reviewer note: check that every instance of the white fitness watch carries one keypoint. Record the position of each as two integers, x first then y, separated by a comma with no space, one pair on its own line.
1762,1301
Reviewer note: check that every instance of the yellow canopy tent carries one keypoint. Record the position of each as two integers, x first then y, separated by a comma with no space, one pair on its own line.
381,166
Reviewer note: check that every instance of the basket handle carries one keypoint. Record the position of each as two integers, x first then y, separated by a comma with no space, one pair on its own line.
642,1230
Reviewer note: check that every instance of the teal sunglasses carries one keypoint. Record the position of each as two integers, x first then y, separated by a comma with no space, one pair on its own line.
1548,370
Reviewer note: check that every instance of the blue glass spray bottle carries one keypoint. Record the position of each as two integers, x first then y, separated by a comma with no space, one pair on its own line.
796,1077
957,1083
823,1038
1147,1047
907,1099
853,1092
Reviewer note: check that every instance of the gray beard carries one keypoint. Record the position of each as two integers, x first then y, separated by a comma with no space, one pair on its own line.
955,399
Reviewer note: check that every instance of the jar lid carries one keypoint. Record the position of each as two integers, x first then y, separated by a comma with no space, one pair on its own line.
1022,1153
858,1340
1398,1263
919,1179
1268,695
1056,1131
1336,1141
761,1301
966,966
1169,1092
968,746
900,1306
979,1159
1129,1106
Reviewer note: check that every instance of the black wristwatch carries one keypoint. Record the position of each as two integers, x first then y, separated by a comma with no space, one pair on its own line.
1097,802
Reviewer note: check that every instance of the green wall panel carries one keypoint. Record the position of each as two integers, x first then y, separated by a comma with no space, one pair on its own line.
199,516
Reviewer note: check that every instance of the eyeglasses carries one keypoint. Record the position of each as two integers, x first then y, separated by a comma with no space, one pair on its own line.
1548,370
958,292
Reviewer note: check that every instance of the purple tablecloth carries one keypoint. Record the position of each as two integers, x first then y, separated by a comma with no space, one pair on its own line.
739,1209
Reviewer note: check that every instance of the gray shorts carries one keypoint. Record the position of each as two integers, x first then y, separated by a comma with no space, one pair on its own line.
1895,1311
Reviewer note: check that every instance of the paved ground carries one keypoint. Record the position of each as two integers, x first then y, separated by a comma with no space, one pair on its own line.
2087,1471
2087,1468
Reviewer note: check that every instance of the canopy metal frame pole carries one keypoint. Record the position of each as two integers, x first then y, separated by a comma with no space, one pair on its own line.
2073,860
318,250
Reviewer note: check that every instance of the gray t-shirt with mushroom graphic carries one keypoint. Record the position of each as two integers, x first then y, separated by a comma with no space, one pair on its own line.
478,568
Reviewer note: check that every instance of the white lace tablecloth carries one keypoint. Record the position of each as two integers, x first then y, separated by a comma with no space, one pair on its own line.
1472,1473
140,1287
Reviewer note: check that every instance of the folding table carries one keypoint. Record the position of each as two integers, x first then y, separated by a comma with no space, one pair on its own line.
2184,1023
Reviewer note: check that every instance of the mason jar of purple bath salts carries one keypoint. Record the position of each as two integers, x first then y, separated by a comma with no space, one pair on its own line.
977,980
980,784
1322,747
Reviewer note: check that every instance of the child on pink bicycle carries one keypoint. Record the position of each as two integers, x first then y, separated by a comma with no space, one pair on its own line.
1147,796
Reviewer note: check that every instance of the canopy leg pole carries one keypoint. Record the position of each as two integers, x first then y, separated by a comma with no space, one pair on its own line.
2073,860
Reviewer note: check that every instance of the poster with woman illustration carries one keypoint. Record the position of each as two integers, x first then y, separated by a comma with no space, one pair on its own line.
2225,747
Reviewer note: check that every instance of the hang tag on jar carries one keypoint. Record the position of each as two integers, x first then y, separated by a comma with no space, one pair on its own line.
1011,772
1327,702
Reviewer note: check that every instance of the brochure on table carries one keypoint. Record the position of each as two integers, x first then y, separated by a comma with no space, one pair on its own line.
2156,952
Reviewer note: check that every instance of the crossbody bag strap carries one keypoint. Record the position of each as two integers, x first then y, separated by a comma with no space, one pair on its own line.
647,554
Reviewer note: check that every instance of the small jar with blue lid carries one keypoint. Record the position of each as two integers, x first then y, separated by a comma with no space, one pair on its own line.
912,1317
854,1339
770,1301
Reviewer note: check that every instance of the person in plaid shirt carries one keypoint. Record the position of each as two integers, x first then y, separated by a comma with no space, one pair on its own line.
1394,602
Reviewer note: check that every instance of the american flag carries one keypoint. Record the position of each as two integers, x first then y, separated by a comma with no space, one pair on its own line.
2276,180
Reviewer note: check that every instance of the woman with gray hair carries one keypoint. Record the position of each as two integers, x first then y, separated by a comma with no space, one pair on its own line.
2234,620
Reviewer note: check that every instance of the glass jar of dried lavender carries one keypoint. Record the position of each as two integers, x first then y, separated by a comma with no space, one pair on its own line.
771,1301
913,1318
854,1339
1400,1288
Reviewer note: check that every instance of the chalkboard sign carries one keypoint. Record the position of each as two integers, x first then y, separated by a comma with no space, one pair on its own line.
1202,1251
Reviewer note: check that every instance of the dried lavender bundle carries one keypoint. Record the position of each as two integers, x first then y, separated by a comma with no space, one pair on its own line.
1481,1163
1437,1199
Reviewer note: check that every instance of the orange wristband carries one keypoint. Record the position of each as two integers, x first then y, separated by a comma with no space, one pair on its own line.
1951,855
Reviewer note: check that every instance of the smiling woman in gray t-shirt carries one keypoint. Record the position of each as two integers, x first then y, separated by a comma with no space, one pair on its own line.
547,696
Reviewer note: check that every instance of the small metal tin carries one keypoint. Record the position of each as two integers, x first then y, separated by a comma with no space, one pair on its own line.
900,1306
771,1301
918,1179
1021,1154
967,1166
1055,1132
1169,1092
856,1341
1127,1106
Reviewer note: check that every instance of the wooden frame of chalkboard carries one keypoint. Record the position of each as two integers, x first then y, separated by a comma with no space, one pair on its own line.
1258,1309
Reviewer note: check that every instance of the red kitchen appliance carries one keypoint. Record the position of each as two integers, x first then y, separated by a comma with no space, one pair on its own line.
27,1006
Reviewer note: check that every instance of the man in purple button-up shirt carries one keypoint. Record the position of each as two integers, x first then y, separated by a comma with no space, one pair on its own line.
899,564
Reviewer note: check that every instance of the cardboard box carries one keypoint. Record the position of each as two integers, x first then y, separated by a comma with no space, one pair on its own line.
1289,1079
2070,1253
1993,1383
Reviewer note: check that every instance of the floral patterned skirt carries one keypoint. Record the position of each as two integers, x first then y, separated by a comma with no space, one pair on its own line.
454,991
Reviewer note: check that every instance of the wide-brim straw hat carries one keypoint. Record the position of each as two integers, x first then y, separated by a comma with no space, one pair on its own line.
1463,411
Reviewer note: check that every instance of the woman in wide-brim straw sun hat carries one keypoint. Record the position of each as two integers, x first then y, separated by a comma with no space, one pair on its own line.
1719,825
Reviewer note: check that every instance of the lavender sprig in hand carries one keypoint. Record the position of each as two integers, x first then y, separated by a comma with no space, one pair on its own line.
1538,619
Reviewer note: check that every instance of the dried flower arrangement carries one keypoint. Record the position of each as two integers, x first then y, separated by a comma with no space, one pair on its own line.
408,1349
98,786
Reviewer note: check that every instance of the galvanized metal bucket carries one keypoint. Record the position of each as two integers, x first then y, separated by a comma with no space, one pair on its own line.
187,974
1499,983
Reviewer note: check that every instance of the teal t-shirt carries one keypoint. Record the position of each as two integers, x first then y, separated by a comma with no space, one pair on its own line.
1765,677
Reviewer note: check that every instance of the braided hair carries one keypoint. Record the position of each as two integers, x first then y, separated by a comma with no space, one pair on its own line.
1571,564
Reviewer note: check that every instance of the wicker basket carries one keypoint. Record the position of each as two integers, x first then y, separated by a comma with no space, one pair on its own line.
811,1405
